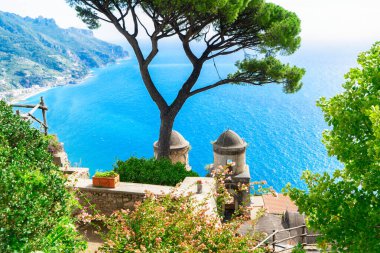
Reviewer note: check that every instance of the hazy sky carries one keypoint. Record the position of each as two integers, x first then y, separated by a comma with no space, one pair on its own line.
323,21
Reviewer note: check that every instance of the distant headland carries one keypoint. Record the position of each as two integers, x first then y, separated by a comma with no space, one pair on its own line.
37,53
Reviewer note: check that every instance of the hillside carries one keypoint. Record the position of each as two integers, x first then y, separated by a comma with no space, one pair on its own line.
38,52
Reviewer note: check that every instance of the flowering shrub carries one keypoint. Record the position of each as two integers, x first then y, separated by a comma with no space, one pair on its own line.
173,224
225,189
152,171
35,207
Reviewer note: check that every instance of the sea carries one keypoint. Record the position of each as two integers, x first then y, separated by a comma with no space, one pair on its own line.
110,115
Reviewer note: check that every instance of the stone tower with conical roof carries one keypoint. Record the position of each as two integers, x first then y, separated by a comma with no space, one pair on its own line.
229,148
179,149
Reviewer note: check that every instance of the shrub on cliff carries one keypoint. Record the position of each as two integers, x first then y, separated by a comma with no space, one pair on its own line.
35,206
344,206
152,171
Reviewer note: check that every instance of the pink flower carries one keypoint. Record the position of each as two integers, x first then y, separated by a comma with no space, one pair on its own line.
158,240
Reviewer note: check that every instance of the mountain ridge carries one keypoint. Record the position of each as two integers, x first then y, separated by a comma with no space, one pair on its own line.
36,51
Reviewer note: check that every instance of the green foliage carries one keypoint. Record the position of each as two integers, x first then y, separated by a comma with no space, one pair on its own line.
152,171
35,206
266,249
173,224
345,206
353,117
298,249
268,70
193,9
226,26
106,174
197,9
271,27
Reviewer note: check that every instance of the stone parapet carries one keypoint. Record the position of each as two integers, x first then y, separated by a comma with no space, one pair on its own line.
124,196
207,195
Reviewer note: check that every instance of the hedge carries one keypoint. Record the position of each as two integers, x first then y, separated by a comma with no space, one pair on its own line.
152,171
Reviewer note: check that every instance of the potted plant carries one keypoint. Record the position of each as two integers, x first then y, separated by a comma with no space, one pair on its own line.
107,179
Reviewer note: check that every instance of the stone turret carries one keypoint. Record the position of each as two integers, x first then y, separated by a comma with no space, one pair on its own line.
179,149
229,148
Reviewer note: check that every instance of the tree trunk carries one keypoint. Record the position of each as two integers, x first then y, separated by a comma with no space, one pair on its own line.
166,127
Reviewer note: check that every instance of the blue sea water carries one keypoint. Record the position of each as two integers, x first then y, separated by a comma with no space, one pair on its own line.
110,116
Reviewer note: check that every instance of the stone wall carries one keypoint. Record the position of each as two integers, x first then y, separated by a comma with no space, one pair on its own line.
108,200
125,195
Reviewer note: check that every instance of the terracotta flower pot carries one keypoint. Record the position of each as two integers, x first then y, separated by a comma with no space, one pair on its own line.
105,182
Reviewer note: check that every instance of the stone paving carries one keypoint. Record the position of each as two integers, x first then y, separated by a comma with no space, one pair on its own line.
189,185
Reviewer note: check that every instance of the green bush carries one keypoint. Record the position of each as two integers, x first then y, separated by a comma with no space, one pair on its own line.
35,206
152,171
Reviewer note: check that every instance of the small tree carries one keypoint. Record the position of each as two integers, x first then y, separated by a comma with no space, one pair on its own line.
345,207
35,207
223,27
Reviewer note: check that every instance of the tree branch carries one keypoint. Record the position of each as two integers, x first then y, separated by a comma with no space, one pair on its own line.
189,53
153,51
95,8
224,52
208,87
153,92
230,80
122,15
90,5
135,22
144,27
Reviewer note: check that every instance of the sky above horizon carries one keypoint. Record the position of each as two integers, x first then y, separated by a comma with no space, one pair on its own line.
323,21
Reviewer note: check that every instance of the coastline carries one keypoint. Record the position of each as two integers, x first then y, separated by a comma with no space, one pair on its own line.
21,94
25,93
